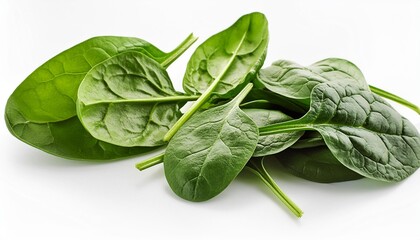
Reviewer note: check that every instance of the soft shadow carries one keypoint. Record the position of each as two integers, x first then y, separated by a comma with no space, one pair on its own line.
279,174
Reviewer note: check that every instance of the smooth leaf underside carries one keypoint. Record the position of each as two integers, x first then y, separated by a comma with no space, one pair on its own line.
209,151
294,81
275,143
45,102
122,101
230,57
364,132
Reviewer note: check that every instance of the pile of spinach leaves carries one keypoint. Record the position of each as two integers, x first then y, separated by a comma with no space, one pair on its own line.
110,98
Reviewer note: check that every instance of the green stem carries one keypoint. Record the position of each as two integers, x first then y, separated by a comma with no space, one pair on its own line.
149,100
150,162
178,51
260,171
242,95
395,98
289,126
194,107
203,98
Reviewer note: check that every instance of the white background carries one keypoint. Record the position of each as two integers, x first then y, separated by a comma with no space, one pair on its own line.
45,197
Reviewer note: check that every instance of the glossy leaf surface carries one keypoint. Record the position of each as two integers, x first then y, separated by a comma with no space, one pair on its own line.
129,100
224,63
210,150
46,99
229,58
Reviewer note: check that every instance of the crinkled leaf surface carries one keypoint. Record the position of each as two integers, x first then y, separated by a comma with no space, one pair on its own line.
230,57
294,81
209,151
275,143
128,100
42,111
316,164
361,130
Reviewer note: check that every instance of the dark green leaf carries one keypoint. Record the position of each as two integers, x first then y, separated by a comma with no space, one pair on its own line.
316,164
275,143
293,81
230,57
210,150
361,130
224,63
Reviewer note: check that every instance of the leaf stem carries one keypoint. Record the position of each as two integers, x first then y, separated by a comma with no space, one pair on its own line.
289,126
149,100
204,97
259,170
180,49
241,96
150,162
395,98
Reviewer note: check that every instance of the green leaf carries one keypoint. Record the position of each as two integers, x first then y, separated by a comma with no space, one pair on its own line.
229,58
46,99
361,130
334,69
134,103
275,143
293,81
210,150
288,80
225,62
315,164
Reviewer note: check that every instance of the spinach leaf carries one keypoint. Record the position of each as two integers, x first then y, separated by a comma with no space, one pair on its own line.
210,150
336,68
42,110
361,130
225,62
134,103
316,164
293,81
275,143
